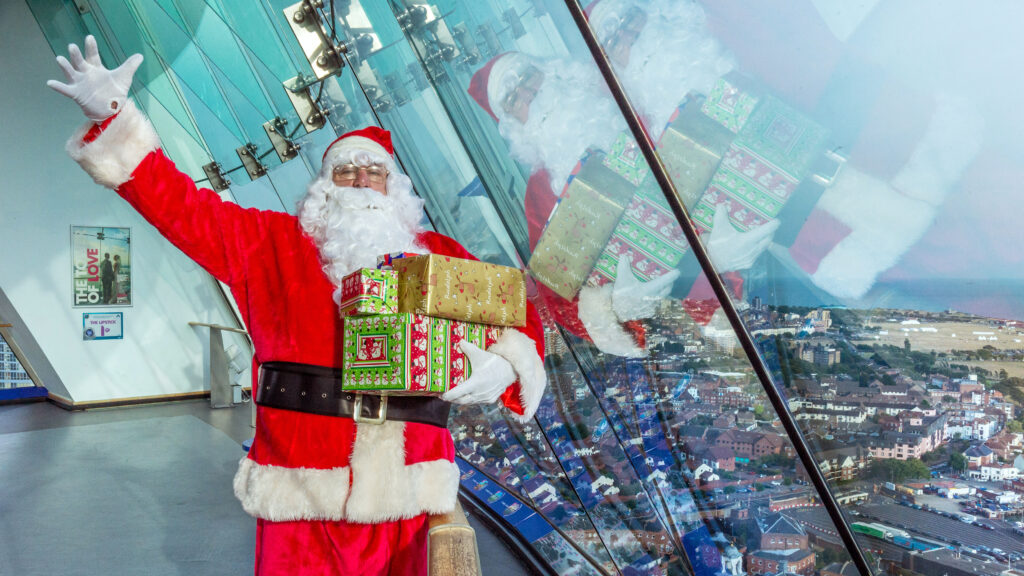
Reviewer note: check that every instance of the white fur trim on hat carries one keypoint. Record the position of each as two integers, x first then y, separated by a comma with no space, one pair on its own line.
505,75
883,225
603,327
112,157
359,151
521,352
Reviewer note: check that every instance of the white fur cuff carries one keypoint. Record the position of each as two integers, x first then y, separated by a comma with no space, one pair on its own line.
112,157
597,316
883,224
282,494
521,352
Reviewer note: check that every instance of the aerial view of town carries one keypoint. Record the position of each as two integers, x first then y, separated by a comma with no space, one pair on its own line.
678,464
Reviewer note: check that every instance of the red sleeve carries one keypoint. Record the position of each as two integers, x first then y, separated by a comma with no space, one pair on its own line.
534,329
214,233
540,202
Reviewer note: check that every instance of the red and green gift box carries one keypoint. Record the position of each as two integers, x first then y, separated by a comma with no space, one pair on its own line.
369,291
408,354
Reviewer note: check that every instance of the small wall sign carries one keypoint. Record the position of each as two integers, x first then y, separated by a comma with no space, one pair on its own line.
102,326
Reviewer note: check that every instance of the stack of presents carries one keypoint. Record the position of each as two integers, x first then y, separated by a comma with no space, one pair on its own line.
737,146
405,319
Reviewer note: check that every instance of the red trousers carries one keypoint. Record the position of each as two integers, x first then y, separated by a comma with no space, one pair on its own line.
315,548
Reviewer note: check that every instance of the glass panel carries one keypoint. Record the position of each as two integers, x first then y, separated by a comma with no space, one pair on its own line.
12,374
855,173
696,463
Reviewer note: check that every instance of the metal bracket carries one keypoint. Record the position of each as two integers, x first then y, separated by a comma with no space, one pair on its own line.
399,93
276,130
515,23
215,175
466,41
490,39
252,164
310,114
323,56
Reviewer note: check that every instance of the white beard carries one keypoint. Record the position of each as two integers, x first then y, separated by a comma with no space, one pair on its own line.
571,112
674,55
352,226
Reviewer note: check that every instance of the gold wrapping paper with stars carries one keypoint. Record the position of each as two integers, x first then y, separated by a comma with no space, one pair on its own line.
460,289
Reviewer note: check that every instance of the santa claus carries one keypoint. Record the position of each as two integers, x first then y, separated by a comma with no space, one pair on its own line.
551,113
340,483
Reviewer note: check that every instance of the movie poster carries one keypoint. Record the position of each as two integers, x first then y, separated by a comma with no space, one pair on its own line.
101,266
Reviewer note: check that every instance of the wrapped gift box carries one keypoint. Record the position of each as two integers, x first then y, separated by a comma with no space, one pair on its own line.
369,291
731,102
408,354
460,289
782,138
580,226
692,147
754,191
626,160
648,234
774,151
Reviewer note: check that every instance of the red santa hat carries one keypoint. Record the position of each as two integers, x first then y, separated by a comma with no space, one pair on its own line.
364,146
491,83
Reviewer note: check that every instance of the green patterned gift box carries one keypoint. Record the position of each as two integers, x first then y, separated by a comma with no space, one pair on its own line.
626,160
648,235
782,138
731,102
369,291
763,166
408,354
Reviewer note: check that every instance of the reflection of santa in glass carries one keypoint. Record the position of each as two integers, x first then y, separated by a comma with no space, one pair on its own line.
551,113
877,208
331,495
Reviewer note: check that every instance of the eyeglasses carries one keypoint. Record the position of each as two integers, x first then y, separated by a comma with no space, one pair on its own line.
525,85
350,173
619,31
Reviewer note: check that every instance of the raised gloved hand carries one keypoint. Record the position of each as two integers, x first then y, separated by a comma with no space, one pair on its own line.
635,300
100,92
730,249
492,374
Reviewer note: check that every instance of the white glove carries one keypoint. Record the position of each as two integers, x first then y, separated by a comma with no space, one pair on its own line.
491,375
100,92
730,249
633,299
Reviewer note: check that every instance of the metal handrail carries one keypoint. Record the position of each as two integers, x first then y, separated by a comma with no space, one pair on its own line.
721,291
19,354
219,327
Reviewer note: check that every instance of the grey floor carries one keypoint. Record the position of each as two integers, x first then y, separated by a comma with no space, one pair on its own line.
135,490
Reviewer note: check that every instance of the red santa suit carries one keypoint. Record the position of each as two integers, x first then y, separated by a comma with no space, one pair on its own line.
331,496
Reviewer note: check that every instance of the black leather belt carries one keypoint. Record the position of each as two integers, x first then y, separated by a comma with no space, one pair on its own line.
317,390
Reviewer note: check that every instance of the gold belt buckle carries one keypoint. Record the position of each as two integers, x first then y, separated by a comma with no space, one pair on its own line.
382,413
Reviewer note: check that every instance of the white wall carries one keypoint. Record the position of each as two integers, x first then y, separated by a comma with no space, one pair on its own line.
43,193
